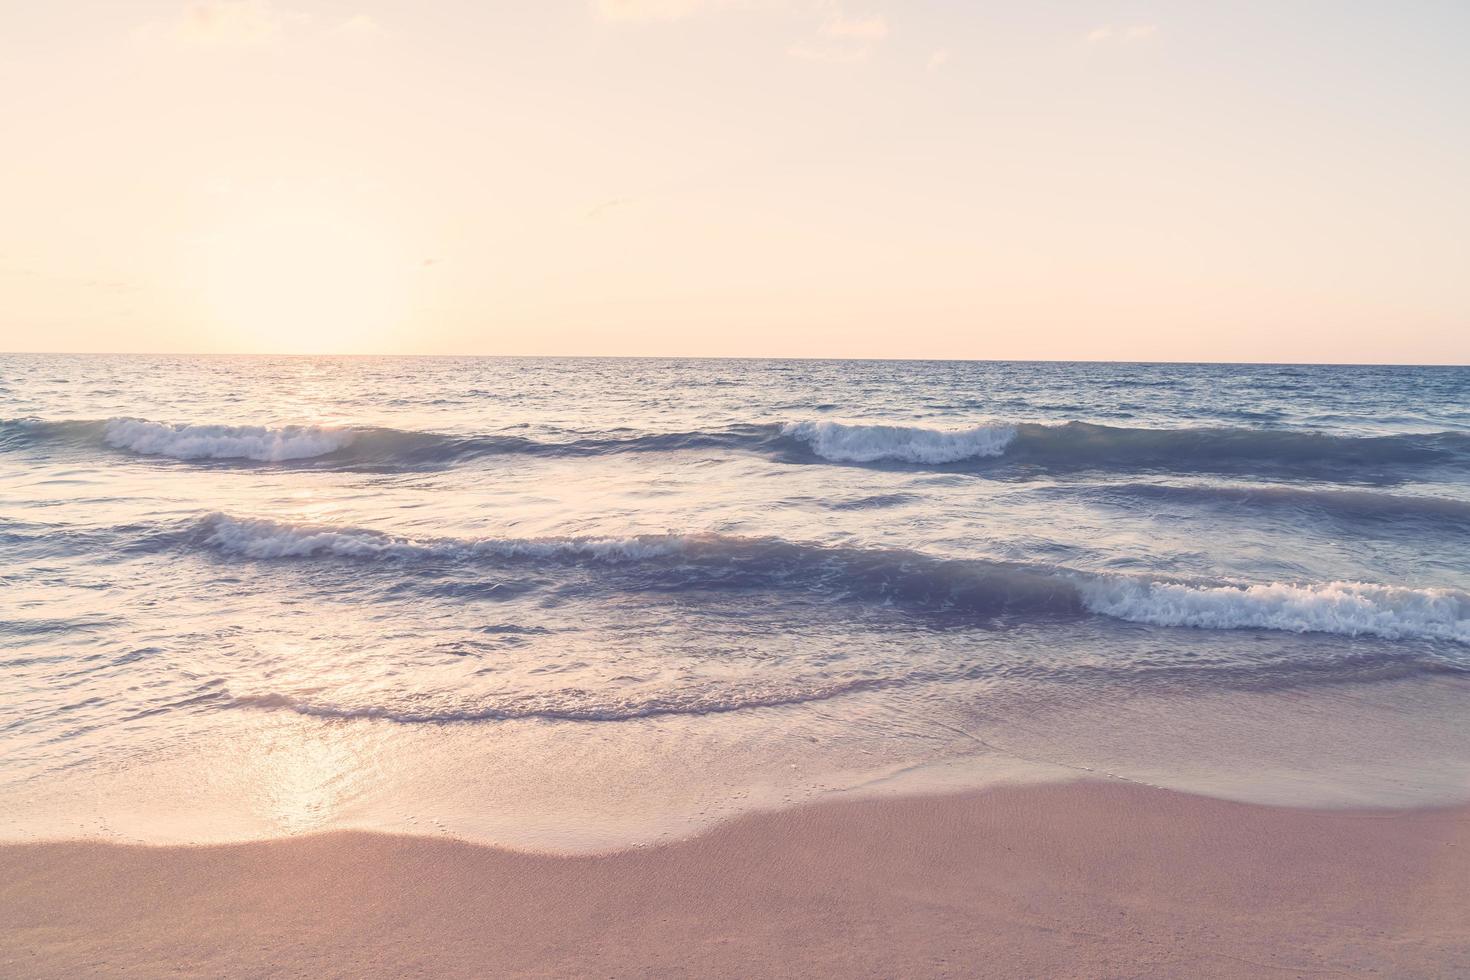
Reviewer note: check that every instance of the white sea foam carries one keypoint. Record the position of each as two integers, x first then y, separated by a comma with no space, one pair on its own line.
257,442
262,538
1344,608
573,705
851,443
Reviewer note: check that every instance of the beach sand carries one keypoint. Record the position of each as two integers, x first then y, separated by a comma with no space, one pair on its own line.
1082,879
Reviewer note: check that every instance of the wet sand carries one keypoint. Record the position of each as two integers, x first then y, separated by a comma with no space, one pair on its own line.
1083,879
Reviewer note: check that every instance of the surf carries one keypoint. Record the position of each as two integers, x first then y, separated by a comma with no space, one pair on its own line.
955,587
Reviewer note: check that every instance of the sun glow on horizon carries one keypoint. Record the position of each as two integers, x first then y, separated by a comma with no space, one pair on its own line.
736,178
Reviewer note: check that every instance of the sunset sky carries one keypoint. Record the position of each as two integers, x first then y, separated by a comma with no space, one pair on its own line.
1279,181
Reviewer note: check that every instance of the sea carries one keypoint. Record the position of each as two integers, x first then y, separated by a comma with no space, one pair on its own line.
571,604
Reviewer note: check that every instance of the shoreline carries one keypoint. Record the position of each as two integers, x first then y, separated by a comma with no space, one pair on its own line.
581,789
1060,879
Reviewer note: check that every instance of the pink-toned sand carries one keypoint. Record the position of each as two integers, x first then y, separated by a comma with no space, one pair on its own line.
1076,880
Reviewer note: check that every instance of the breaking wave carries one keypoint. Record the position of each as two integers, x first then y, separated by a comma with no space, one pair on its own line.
371,448
998,447
266,539
1343,608
261,443
972,589
183,441
1084,445
843,443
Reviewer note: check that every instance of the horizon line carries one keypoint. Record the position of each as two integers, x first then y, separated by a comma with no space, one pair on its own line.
736,357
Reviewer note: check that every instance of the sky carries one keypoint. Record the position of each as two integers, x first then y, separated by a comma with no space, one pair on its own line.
1247,181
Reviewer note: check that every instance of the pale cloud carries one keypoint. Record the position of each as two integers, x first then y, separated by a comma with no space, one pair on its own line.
361,27
866,28
1126,34
831,54
938,59
845,38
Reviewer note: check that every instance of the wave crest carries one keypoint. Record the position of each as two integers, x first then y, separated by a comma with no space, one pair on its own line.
1342,608
1052,447
261,443
262,538
845,443
353,448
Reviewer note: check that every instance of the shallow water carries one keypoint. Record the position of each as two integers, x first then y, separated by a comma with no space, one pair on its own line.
580,602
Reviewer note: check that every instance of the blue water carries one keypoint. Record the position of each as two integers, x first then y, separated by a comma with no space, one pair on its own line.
464,543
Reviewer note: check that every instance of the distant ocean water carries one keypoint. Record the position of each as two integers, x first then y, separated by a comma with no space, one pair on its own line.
456,544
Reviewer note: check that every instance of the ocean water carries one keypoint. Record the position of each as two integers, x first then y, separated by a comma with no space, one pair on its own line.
580,602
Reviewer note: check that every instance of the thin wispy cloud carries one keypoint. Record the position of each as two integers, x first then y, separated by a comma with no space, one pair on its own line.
830,54
361,27
866,28
227,23
843,37
1124,34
